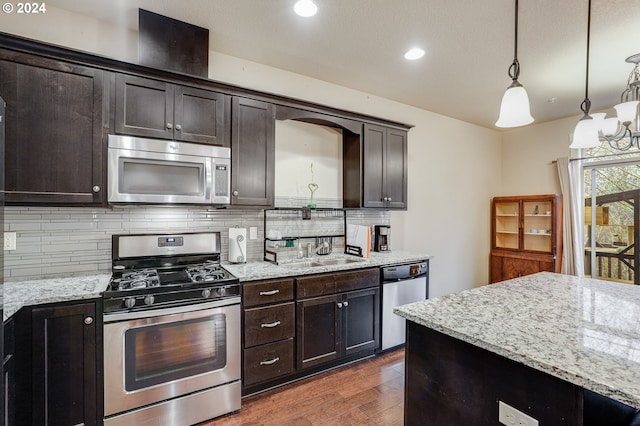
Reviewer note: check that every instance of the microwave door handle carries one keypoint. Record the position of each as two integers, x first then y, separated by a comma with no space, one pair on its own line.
208,179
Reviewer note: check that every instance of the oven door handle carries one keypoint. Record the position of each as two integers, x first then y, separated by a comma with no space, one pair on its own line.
151,313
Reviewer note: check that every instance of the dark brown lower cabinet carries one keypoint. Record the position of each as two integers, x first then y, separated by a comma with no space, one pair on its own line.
59,378
451,382
331,327
293,328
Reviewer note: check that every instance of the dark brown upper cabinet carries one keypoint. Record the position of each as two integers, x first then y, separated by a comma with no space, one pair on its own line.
158,109
53,133
253,140
375,168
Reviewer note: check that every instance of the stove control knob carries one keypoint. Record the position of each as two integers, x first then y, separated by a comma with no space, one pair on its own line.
129,302
206,293
149,299
222,291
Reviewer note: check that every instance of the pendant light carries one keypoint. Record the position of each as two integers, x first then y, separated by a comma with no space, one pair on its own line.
585,134
514,109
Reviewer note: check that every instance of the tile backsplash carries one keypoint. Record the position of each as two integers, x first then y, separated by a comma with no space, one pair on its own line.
54,242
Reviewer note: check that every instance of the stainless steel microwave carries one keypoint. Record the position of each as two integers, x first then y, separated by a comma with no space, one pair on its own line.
153,171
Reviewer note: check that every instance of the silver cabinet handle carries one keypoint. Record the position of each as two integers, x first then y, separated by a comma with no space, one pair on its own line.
235,193
269,293
270,361
346,304
270,324
88,320
169,126
96,188
178,127
339,304
388,198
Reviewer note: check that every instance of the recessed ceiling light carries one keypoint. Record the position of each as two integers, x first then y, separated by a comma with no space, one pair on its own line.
414,53
305,8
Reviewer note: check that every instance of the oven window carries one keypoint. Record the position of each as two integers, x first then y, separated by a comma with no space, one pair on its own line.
161,177
165,352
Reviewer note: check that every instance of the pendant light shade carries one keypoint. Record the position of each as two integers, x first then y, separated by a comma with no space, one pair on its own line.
586,134
627,111
514,109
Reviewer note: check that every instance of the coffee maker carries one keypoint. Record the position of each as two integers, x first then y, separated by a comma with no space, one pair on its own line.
381,239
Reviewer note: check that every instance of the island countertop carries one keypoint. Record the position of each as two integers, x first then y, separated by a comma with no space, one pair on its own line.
584,331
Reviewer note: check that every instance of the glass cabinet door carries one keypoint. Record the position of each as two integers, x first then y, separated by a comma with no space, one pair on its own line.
507,224
538,226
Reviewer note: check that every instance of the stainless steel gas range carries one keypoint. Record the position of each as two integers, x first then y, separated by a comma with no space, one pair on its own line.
171,331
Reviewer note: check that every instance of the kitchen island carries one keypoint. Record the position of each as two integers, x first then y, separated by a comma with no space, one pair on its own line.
533,342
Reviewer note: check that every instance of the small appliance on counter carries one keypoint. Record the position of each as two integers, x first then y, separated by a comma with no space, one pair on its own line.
381,239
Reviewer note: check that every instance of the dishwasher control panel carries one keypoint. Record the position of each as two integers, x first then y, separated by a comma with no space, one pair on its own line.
403,272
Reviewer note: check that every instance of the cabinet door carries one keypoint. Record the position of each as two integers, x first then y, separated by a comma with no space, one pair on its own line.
374,165
318,332
53,133
64,370
361,313
506,225
200,116
252,152
144,107
538,225
514,267
396,169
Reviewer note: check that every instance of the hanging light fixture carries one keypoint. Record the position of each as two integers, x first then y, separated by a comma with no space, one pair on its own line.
623,132
514,109
585,134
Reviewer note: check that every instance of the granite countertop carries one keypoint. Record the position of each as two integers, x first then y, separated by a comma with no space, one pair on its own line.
38,292
259,270
582,330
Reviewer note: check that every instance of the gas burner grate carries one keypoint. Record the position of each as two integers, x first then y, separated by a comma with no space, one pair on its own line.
206,273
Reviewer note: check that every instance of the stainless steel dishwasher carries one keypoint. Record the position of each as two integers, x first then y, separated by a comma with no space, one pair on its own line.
401,284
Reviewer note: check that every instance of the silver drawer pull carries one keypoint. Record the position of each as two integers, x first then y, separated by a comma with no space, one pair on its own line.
269,293
270,325
271,361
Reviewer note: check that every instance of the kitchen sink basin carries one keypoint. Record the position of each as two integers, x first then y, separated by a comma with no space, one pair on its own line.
340,261
321,262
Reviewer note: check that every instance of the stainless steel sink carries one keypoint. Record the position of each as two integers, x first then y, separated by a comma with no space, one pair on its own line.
312,263
339,261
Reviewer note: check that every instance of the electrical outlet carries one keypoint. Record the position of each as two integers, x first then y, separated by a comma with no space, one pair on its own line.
9,240
507,415
253,232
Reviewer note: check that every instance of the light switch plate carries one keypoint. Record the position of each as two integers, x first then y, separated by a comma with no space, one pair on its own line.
253,232
9,240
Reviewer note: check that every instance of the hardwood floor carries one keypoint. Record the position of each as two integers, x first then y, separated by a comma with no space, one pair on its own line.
370,392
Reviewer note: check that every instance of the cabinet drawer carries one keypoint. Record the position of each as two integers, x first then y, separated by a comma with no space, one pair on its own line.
320,285
264,292
357,280
264,325
268,361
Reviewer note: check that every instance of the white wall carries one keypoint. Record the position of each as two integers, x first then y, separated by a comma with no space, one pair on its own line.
527,155
455,168
298,147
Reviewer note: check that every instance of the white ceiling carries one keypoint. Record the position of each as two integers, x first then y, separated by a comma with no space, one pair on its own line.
469,44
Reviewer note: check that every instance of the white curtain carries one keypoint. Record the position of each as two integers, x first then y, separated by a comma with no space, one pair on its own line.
571,185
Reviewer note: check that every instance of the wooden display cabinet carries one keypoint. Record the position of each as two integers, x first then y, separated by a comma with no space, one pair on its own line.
526,235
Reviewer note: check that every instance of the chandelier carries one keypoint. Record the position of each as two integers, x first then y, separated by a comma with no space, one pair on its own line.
623,132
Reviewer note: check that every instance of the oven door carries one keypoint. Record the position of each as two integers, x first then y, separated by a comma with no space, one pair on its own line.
168,353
